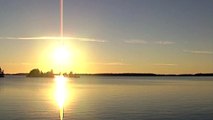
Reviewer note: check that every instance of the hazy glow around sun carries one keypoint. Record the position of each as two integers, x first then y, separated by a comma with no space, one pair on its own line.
62,56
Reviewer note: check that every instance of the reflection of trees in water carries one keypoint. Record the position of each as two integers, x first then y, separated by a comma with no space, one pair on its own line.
0,86
1,75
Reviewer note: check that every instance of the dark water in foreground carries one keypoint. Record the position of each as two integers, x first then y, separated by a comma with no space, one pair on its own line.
108,98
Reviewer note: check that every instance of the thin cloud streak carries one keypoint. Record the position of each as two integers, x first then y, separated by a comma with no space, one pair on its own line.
164,42
165,64
111,63
199,52
136,41
23,63
146,42
87,39
53,38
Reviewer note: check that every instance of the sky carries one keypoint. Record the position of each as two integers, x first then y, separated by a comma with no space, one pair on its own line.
108,36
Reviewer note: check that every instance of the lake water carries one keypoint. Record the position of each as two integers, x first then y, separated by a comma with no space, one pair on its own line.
107,98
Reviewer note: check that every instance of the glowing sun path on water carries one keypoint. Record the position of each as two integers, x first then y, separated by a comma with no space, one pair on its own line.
61,93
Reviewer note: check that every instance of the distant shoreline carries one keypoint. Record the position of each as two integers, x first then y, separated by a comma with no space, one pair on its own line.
129,74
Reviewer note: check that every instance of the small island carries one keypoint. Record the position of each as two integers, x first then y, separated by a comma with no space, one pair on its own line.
1,72
71,75
37,73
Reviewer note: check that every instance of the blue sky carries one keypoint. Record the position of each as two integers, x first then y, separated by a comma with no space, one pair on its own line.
160,36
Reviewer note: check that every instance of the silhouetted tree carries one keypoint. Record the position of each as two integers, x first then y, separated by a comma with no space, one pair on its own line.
34,73
1,72
37,73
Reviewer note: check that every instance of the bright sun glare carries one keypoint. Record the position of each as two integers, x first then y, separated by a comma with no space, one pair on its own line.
61,55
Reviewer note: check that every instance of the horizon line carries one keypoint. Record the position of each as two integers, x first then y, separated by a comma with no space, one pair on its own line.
117,73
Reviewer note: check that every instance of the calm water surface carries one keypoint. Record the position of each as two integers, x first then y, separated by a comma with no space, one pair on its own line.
107,98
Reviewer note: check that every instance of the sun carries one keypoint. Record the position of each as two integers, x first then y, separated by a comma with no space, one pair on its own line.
62,55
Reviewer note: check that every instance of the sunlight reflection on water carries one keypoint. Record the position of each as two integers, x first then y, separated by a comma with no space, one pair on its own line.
61,93
104,98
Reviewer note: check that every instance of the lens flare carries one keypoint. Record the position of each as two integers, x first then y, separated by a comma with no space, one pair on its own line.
61,18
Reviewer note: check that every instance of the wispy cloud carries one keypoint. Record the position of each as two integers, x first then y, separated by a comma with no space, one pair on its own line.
136,41
164,42
145,42
110,63
22,63
53,38
199,52
165,64
87,39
